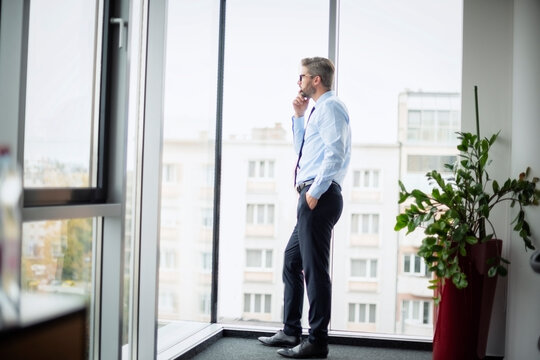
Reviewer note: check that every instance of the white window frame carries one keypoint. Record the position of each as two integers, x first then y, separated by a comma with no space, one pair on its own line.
412,257
207,217
407,311
360,177
435,128
167,258
369,263
263,256
265,299
206,261
170,173
368,309
263,169
357,222
268,214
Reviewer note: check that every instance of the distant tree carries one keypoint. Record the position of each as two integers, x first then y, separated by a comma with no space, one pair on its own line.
78,252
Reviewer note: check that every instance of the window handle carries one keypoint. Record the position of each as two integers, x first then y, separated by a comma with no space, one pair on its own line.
121,23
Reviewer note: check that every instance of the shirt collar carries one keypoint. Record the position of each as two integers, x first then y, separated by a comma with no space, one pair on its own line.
324,97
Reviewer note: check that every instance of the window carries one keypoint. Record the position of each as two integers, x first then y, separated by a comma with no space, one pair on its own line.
170,174
366,179
432,126
258,303
417,311
262,169
207,216
424,163
167,300
364,268
64,261
414,265
205,304
259,259
362,313
258,214
258,158
365,224
62,95
169,217
167,258
206,261
189,123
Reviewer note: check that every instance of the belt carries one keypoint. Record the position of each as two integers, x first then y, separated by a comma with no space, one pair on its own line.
303,185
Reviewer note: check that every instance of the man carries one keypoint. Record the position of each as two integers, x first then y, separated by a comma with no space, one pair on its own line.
323,145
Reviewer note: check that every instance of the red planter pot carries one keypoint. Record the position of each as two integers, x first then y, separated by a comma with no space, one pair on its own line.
463,315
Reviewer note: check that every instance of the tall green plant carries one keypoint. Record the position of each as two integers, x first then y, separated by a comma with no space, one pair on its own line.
455,213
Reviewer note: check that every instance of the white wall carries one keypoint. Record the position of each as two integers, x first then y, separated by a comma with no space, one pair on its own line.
523,317
487,63
501,55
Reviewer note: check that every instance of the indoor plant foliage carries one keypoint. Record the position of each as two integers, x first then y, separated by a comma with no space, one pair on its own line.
455,215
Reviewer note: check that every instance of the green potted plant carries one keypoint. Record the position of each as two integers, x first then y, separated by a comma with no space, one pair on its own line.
460,245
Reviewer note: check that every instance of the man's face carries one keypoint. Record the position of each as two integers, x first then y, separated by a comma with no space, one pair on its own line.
306,83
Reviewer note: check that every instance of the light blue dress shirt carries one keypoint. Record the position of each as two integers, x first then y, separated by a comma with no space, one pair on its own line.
327,146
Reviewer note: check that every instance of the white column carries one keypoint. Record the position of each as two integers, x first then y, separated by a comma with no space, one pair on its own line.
523,317
487,63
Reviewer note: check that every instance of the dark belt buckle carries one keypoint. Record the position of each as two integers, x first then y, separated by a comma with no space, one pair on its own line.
303,185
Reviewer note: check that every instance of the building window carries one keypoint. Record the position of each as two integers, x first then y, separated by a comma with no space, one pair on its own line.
207,217
366,179
169,217
364,268
432,126
423,163
260,214
417,311
261,169
363,313
366,224
258,303
208,175
206,261
205,301
259,258
170,173
414,265
167,300
167,258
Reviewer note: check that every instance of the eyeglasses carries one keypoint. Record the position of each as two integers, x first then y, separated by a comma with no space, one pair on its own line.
302,75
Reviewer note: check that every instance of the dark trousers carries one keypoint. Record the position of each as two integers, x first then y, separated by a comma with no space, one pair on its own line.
307,256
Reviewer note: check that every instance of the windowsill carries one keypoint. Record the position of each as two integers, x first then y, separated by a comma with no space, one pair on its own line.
175,339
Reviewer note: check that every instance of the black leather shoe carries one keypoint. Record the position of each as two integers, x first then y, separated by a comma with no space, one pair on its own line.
280,339
305,350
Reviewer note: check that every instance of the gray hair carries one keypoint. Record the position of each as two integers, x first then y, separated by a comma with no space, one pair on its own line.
322,67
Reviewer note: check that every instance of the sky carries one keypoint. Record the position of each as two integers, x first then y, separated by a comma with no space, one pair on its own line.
385,47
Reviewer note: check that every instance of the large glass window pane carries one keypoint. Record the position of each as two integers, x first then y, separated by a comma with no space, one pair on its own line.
399,68
64,51
189,144
265,41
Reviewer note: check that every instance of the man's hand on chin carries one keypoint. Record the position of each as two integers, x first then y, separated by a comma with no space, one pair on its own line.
311,201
